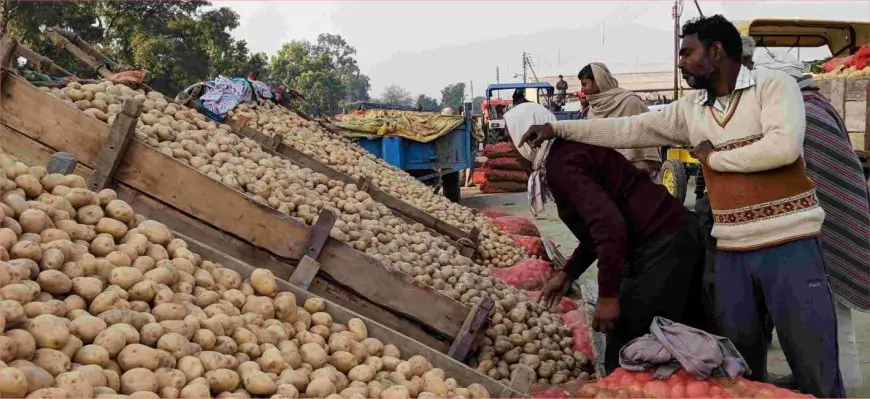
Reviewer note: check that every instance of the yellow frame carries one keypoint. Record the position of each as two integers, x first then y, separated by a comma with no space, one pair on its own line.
682,155
837,35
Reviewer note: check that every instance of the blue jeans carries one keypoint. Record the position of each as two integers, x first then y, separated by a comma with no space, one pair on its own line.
788,285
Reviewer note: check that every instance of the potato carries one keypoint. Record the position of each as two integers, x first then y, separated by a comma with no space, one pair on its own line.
396,392
392,351
313,354
222,380
112,227
138,380
48,331
54,282
25,345
314,305
48,393
119,210
358,327
89,214
125,277
37,378
74,384
53,361
263,282
13,383
362,373
258,383
286,391
390,363
320,388
156,232
34,221
113,340
138,356
373,346
191,367
92,354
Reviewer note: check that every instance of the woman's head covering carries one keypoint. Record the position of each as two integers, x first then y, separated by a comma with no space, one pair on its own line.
781,60
611,101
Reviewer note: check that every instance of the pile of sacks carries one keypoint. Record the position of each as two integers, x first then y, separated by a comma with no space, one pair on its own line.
504,170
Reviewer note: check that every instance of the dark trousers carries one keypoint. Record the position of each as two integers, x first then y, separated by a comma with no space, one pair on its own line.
787,284
662,278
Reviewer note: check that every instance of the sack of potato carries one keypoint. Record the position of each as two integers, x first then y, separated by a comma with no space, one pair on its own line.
96,301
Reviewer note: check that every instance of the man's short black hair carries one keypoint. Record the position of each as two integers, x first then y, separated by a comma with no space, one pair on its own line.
586,73
560,76
716,28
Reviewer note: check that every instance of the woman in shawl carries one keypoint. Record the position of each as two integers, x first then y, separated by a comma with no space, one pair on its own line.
608,100
836,170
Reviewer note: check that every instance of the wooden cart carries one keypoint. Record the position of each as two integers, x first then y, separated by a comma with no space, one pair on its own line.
34,125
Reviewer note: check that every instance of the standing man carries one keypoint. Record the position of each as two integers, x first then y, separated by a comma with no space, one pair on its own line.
608,100
583,113
748,130
836,170
649,249
562,87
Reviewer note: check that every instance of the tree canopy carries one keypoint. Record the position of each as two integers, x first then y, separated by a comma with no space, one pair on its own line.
428,103
183,42
452,96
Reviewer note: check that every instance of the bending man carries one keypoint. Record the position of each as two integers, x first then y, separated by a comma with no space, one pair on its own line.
649,248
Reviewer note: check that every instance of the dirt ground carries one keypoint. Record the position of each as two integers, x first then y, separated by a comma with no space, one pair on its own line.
551,227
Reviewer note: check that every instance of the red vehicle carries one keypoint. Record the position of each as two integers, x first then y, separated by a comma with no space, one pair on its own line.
496,105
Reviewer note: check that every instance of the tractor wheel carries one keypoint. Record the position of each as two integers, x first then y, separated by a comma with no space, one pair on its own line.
675,178
451,186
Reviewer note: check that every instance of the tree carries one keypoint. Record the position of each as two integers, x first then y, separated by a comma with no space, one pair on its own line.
429,104
325,72
476,103
452,95
396,95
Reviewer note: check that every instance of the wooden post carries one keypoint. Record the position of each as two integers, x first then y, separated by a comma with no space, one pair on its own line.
7,51
308,265
522,378
838,96
471,327
113,149
43,64
84,57
62,163
469,243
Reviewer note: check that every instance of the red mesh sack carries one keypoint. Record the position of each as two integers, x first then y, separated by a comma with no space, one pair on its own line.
565,304
528,274
860,59
498,150
504,164
515,225
478,177
641,384
835,63
534,246
580,332
494,213
516,176
500,187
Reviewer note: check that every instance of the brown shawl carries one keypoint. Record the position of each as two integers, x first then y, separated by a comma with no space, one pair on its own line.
613,101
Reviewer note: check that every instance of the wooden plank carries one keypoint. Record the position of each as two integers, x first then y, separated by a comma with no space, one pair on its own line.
147,170
471,328
522,378
319,233
463,374
7,51
305,272
35,153
470,243
838,96
82,56
42,64
116,143
396,204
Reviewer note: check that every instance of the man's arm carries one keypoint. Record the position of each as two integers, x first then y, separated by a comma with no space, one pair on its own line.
783,124
606,226
650,129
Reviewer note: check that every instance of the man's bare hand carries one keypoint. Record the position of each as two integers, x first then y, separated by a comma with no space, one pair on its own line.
537,135
555,288
606,313
702,151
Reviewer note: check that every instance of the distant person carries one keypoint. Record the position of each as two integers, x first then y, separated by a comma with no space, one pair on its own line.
562,87
315,111
583,113
419,107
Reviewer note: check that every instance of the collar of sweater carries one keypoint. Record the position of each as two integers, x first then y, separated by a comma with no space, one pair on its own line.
745,80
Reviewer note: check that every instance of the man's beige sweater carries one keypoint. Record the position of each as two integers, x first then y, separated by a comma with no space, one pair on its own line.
758,188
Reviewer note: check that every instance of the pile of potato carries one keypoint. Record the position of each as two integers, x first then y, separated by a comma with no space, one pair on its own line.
522,330
497,249
96,301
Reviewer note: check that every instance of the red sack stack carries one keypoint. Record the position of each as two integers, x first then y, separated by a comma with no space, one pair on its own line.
504,170
528,274
627,384
515,225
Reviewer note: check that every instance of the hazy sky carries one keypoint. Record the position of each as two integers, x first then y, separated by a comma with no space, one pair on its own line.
426,45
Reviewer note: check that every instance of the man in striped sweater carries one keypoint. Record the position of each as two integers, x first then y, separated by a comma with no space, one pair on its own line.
748,130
